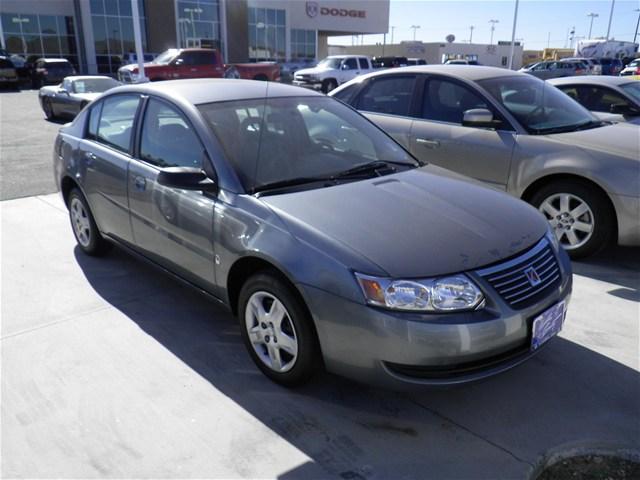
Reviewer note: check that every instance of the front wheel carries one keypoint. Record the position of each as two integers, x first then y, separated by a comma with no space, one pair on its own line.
84,226
48,108
328,85
580,215
277,330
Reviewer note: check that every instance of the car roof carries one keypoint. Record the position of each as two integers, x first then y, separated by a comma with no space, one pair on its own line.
73,78
52,60
347,56
468,72
590,79
207,90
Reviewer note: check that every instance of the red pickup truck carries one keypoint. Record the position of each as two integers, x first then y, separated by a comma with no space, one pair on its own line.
198,63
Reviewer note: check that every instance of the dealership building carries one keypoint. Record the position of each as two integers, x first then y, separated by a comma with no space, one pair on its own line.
97,34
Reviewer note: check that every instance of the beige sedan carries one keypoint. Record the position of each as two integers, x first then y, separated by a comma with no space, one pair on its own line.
516,133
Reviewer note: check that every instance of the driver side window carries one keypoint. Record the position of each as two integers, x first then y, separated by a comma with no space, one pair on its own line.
446,101
351,63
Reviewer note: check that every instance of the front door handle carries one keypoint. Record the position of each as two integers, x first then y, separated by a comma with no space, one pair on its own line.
427,142
140,183
89,157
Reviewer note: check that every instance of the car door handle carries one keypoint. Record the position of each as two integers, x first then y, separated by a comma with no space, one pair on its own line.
140,183
89,157
427,142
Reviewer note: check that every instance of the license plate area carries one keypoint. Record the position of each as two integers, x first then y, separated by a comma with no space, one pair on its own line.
547,324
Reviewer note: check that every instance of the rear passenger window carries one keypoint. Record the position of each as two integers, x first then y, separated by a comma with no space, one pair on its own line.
364,63
116,121
167,138
391,95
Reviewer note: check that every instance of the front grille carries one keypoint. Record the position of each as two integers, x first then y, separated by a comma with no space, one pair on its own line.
514,281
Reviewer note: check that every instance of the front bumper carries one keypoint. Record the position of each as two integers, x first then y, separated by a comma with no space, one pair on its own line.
628,213
405,350
308,83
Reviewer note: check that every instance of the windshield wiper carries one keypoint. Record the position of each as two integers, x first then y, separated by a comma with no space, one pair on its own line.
358,170
568,128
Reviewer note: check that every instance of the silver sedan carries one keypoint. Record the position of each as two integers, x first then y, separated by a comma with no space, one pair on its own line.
517,133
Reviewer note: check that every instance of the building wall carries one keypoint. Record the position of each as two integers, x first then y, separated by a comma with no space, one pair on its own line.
161,25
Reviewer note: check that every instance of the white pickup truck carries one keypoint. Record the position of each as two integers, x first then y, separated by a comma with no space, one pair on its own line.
333,71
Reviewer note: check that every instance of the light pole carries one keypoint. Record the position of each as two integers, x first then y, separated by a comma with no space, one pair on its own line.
592,15
471,27
493,27
137,37
613,2
635,35
414,27
513,36
392,29
183,31
191,11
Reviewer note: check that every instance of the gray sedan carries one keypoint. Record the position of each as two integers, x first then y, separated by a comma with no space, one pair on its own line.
516,133
332,244
615,99
73,94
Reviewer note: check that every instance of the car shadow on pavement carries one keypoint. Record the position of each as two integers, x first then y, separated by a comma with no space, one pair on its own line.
617,265
567,396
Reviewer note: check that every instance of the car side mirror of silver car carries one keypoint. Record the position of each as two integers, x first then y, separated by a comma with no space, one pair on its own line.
63,91
187,178
479,117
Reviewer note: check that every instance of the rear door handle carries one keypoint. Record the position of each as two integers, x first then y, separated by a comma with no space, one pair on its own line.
140,183
427,142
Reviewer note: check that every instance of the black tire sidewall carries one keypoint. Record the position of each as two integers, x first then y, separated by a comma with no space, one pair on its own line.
308,360
47,107
329,85
604,216
97,245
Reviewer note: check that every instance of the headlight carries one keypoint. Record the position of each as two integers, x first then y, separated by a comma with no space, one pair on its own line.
444,294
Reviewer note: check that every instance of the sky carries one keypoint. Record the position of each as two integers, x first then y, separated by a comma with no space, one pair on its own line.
540,22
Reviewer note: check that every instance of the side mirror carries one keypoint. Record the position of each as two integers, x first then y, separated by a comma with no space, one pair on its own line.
623,109
345,67
177,62
479,117
62,91
186,178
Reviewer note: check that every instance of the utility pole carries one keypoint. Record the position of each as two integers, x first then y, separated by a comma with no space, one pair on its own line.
414,27
548,39
613,2
592,15
573,33
392,29
637,24
471,27
513,36
493,27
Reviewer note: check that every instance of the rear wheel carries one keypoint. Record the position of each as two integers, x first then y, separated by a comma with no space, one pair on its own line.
277,330
84,226
580,215
261,77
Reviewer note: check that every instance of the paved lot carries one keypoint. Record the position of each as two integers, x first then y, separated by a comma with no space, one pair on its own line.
26,143
111,369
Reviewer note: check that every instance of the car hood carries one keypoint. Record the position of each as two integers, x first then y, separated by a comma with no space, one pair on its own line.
312,71
415,223
620,139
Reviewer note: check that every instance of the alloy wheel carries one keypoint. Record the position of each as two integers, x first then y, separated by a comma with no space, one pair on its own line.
571,219
271,332
80,222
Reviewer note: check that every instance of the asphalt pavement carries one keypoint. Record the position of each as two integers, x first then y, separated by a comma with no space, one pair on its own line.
26,146
112,369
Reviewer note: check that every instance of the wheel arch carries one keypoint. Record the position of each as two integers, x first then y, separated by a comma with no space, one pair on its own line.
66,185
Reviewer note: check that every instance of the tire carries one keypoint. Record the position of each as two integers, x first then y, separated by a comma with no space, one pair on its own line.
48,108
328,85
261,333
587,225
261,78
84,226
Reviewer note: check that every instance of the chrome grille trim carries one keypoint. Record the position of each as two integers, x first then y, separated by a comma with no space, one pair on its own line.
509,280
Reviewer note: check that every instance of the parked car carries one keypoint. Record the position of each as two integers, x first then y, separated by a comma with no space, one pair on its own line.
559,68
332,71
389,62
8,74
632,68
615,99
329,241
198,63
48,71
594,66
516,133
611,66
416,61
73,94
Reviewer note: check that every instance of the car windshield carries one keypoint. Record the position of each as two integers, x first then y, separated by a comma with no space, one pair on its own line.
166,56
298,139
330,62
539,107
632,89
94,85
635,63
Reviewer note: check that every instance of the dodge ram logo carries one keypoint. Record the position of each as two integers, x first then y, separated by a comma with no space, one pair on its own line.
312,9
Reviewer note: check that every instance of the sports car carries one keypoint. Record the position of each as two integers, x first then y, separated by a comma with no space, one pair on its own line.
73,94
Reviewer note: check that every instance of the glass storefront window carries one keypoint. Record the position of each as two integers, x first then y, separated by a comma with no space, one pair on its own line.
303,44
199,23
267,34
